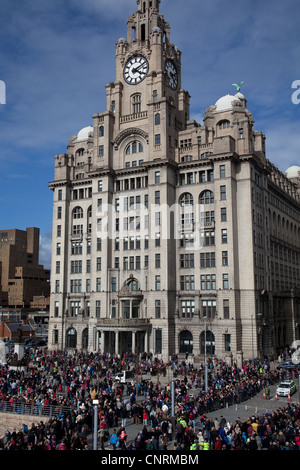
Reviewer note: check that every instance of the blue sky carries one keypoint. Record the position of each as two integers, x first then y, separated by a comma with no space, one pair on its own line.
56,56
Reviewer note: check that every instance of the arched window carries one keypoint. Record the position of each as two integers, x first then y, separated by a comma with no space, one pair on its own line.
134,285
101,131
207,197
77,213
134,147
186,199
225,124
157,119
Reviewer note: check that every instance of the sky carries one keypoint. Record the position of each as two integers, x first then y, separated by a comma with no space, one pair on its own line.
56,56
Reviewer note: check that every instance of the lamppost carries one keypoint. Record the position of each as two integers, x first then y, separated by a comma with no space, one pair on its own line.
95,440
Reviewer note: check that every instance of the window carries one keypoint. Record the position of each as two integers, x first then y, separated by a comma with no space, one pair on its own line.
207,260
157,177
225,124
222,171
154,95
187,283
101,150
136,103
88,285
76,267
208,309
207,237
223,192
113,284
157,309
207,197
226,309
157,282
99,244
223,214
58,249
157,197
98,308
77,213
98,264
157,119
157,139
187,260
59,195
100,186
208,281
59,212
225,281
57,270
98,284
56,309
224,258
57,286
76,248
75,286
101,131
157,260
187,308
58,231
224,235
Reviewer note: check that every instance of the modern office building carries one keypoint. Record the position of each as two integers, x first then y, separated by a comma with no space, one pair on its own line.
22,277
170,236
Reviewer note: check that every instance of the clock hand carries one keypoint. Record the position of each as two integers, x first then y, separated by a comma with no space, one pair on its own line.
137,69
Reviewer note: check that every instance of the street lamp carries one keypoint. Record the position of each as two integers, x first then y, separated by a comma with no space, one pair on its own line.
95,403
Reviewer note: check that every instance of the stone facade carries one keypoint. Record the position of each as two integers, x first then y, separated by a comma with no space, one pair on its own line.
167,233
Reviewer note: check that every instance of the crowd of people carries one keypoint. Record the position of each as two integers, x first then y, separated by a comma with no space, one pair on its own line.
70,383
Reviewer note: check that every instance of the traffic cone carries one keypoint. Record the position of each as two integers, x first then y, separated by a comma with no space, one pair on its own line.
276,397
289,397
264,395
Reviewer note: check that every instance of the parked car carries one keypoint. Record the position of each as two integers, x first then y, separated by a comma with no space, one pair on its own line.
288,365
286,388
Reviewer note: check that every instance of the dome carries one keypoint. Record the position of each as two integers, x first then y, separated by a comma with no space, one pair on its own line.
225,103
121,41
293,172
85,133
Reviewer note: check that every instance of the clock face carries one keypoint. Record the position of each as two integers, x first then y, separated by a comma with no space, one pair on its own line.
136,70
172,74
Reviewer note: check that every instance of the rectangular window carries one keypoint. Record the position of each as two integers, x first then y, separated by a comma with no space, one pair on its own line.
187,283
59,212
57,286
98,264
157,177
223,214
113,284
98,284
157,282
208,308
208,281
58,232
226,309
56,309
187,308
101,150
225,281
223,193
187,260
157,260
157,309
157,197
224,235
98,308
157,139
224,258
207,260
158,341
222,171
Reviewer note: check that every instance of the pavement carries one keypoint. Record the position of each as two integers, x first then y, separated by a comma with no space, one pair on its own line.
256,406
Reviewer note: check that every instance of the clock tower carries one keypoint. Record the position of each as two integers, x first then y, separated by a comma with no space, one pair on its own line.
147,91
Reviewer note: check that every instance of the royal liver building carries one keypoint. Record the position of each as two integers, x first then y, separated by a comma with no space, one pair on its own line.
170,236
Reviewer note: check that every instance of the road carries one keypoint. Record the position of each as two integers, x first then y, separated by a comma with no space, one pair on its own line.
255,406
